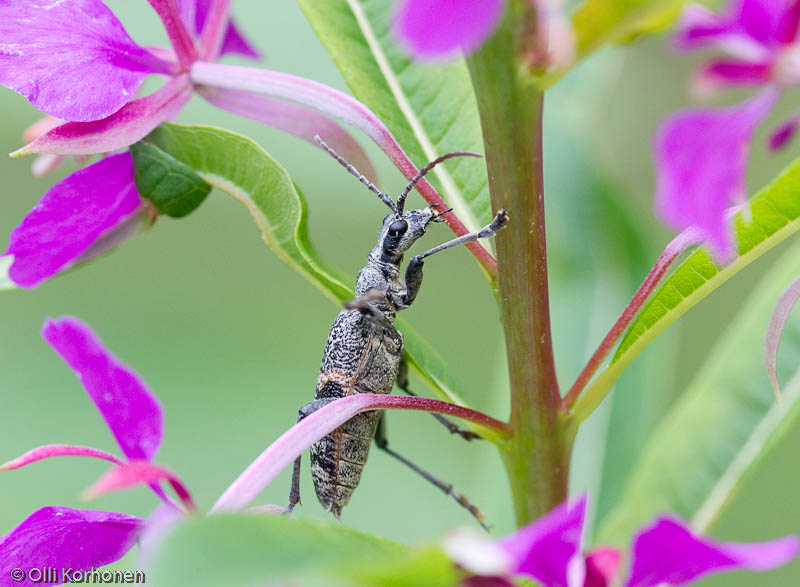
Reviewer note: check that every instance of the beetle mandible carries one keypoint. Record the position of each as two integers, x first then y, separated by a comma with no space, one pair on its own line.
363,353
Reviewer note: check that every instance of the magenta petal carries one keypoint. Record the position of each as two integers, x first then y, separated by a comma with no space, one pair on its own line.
721,74
138,472
549,549
57,450
783,134
292,118
123,128
668,552
439,29
72,60
751,29
233,41
62,537
131,411
602,567
701,160
70,217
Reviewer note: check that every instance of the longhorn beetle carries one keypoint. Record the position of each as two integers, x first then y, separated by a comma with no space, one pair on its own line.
363,353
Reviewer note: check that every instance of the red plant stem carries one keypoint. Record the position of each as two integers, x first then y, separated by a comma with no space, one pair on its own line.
673,250
214,30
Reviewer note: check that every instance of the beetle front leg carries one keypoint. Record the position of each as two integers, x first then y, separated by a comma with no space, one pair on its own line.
294,490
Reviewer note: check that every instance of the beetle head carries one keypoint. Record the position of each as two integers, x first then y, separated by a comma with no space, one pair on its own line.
400,231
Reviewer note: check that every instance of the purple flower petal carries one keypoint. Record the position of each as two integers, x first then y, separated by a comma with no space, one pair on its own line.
123,128
72,60
602,567
62,537
178,35
668,552
232,42
777,321
302,435
783,134
440,29
722,74
297,120
57,450
70,217
752,29
701,160
132,412
138,472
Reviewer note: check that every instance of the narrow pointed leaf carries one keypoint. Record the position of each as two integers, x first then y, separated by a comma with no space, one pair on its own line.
430,110
172,187
721,427
599,22
775,215
243,549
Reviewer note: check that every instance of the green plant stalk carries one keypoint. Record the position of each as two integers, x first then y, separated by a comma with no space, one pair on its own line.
510,105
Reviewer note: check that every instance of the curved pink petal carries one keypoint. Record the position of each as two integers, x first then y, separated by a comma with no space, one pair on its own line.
139,472
73,59
64,538
302,435
723,74
668,552
777,321
132,412
132,122
602,567
71,217
294,119
440,29
182,42
751,29
549,549
57,450
701,160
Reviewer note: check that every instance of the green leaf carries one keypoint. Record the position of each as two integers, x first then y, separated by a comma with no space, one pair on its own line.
257,549
598,22
775,215
430,110
5,281
243,169
239,166
173,188
725,422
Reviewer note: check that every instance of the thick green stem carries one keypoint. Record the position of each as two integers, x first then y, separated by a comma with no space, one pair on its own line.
537,459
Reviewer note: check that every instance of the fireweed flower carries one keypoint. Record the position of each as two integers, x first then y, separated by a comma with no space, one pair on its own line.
701,154
50,536
74,61
435,30
550,551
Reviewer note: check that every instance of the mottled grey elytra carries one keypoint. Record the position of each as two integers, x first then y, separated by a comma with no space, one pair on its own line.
363,353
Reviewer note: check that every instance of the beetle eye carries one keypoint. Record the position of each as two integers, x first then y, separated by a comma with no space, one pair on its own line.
398,227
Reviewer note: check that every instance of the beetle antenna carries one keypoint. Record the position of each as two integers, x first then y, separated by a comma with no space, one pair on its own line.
385,198
401,199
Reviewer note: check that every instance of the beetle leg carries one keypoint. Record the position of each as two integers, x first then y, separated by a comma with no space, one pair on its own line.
402,383
294,491
447,488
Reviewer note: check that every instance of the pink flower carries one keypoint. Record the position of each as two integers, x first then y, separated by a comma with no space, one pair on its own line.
550,551
701,154
74,61
48,537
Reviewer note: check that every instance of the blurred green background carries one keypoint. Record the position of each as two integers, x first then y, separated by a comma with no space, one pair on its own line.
230,338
